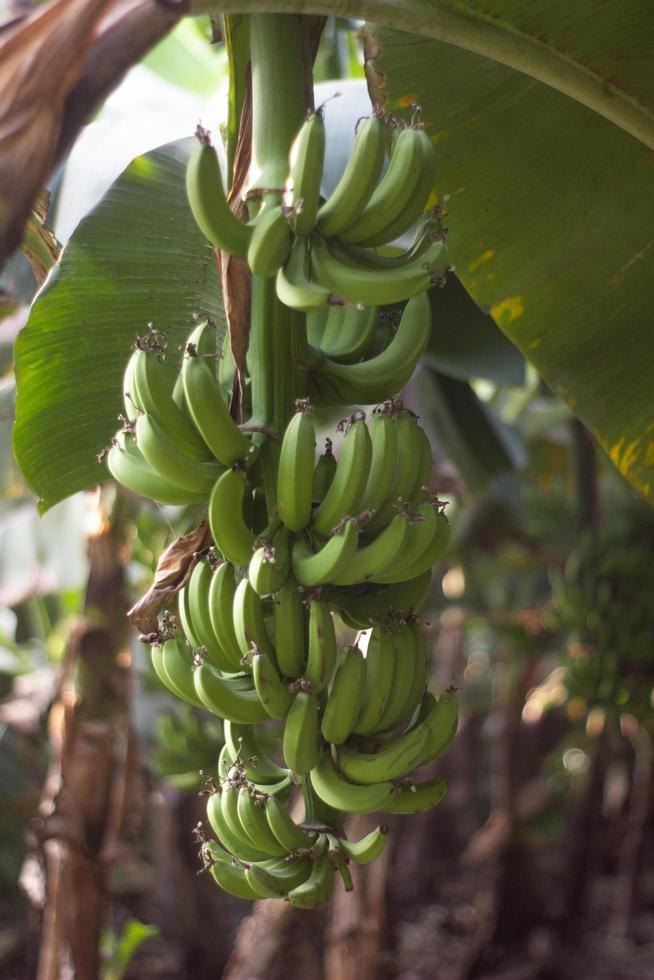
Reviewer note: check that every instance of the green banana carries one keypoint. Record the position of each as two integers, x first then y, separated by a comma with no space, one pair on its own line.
349,332
295,470
437,542
153,387
269,567
428,230
380,376
420,675
409,676
276,879
208,408
290,629
349,480
379,678
230,876
324,473
397,757
232,535
415,208
206,196
156,655
252,817
441,719
130,398
301,742
226,698
244,746
270,242
126,464
417,797
394,192
318,886
303,185
184,615
358,181
316,323
423,477
362,609
287,832
343,795
273,693
321,656
345,697
177,663
227,837
221,604
374,558
225,762
370,286
231,820
406,472
314,569
383,431
249,621
197,591
368,848
294,286
167,458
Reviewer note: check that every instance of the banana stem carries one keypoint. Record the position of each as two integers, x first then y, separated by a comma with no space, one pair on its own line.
281,91
278,59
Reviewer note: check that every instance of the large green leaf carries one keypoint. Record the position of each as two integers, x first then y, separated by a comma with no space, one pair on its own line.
596,51
137,258
550,213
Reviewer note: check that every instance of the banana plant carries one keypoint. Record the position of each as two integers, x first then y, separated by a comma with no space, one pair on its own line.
289,549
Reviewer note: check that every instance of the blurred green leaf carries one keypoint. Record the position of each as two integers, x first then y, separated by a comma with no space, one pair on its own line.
137,258
472,437
466,343
185,58
122,949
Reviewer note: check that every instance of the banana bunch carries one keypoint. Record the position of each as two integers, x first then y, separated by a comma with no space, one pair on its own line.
178,435
603,601
336,377
261,851
186,744
324,254
301,542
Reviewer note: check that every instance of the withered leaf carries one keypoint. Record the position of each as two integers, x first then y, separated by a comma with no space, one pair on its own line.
40,61
234,272
173,571
39,244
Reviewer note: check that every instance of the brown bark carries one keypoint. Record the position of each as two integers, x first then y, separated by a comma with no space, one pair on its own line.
86,805
276,942
624,896
57,66
357,919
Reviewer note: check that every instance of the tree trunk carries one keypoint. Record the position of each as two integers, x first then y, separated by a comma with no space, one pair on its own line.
86,803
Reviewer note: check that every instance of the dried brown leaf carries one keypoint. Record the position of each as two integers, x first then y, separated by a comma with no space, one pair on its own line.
39,244
41,59
234,272
173,571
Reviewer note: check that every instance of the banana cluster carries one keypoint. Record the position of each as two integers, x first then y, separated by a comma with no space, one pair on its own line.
324,253
603,601
186,744
261,851
298,542
178,435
